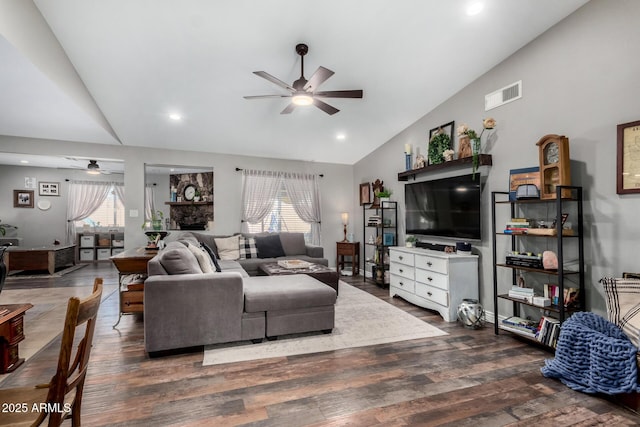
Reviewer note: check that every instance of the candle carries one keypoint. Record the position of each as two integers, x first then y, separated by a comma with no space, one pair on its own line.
407,148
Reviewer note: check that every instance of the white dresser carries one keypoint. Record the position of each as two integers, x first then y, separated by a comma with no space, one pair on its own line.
433,279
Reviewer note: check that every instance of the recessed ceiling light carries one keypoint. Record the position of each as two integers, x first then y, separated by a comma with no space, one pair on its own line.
175,116
341,136
475,8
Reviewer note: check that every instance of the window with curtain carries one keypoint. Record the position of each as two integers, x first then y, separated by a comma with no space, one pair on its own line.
109,213
281,201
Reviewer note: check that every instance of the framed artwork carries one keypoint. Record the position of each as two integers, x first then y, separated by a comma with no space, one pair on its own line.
628,170
388,239
23,198
365,194
435,148
49,189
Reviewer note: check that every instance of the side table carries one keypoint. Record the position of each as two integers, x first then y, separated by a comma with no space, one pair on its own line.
350,249
11,333
130,296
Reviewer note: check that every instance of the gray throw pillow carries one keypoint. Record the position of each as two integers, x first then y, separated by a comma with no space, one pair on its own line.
212,255
269,246
293,244
179,260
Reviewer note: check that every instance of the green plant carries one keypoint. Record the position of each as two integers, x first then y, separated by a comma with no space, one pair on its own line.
384,193
411,239
3,228
157,215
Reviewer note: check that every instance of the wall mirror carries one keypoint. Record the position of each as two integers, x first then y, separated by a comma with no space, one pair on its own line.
178,197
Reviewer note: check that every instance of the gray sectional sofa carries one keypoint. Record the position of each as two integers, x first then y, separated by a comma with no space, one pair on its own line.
186,307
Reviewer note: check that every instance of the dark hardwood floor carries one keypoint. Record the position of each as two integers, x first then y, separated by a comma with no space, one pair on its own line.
466,378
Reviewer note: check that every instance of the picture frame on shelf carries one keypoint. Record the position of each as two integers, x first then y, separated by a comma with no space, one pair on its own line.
523,176
388,239
365,193
23,198
628,169
446,129
48,188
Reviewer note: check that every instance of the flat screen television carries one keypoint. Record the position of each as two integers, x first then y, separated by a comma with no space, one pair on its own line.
448,207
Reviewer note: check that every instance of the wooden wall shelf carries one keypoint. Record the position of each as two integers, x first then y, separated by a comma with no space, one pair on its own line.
484,160
187,203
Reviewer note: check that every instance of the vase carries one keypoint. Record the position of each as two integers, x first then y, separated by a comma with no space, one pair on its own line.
471,313
156,224
464,147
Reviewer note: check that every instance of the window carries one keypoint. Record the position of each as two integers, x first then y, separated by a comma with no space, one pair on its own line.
282,217
110,213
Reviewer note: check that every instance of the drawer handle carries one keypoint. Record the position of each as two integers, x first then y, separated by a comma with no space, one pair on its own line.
401,270
429,293
400,257
430,278
429,263
401,284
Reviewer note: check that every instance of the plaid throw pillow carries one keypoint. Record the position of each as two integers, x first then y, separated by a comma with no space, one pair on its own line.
623,305
248,248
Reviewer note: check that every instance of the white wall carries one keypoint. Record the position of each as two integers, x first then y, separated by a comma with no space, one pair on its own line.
579,80
335,187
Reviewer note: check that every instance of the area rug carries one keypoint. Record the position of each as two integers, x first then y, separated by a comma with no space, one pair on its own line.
44,274
45,320
361,320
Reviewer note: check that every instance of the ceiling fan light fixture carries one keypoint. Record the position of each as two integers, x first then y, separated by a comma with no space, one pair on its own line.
302,99
93,168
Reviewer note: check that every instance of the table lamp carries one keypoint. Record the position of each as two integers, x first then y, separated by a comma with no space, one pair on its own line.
345,221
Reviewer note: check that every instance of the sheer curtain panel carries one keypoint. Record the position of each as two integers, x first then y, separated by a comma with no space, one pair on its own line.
259,190
84,198
304,192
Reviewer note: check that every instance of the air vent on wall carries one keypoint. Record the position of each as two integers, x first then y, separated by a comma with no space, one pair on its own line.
502,96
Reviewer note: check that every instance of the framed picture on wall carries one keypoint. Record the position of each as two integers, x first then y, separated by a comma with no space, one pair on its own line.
628,170
365,194
49,189
23,198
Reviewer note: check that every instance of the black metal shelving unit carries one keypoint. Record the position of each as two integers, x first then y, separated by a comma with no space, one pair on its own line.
518,208
387,232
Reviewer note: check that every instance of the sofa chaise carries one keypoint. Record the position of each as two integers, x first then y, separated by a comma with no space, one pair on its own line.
186,307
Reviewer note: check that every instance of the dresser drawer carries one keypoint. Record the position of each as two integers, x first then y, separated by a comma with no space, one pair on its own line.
402,283
132,302
401,257
432,263
403,270
16,331
430,293
432,278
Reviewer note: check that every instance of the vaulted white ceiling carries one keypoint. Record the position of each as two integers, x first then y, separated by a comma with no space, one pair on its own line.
112,71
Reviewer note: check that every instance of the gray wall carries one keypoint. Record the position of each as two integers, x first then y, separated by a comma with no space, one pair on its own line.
579,80
335,195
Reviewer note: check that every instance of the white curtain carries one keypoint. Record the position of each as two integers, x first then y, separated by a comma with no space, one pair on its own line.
149,202
259,191
119,189
304,192
84,198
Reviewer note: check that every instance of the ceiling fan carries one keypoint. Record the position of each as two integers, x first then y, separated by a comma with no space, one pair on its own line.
93,168
304,92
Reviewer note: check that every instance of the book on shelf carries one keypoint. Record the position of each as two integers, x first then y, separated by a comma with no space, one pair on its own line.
509,230
548,331
552,292
571,296
526,325
523,290
525,332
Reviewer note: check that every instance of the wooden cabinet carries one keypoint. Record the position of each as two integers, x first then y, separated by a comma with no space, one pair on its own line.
568,245
432,279
348,249
132,269
11,333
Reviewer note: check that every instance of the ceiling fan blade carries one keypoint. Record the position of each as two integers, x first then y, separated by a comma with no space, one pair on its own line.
266,96
339,94
325,107
319,77
288,109
275,80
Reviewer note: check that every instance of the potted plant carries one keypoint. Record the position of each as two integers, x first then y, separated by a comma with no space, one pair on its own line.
196,196
156,220
383,196
410,241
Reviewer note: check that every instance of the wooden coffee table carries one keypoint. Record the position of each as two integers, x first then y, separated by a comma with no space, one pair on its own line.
317,271
40,258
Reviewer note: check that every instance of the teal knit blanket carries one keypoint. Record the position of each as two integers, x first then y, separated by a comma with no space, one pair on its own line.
593,355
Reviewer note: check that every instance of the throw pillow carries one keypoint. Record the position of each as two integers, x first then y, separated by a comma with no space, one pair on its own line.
622,297
228,247
203,259
293,244
212,255
179,260
269,246
248,248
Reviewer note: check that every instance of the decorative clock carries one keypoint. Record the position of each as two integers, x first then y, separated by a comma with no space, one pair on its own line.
555,165
189,192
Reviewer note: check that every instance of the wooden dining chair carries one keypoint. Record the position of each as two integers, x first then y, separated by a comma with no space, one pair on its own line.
62,396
